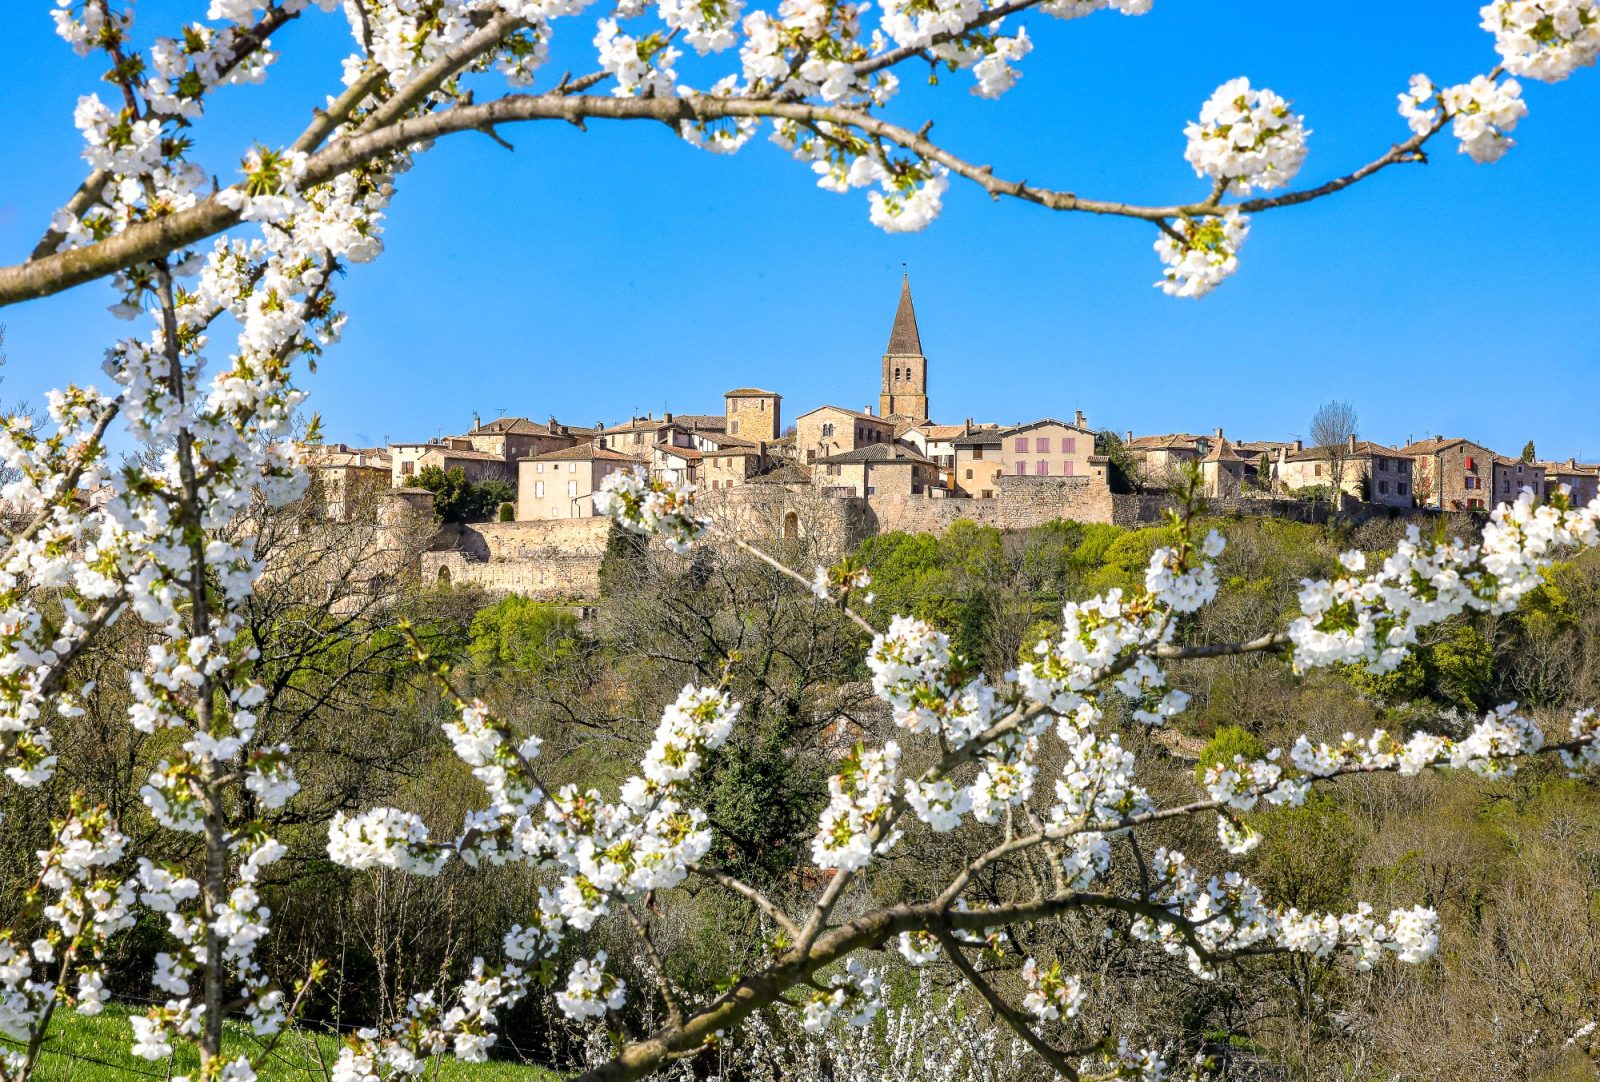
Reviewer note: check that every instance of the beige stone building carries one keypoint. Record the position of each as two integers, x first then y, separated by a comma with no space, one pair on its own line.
1582,480
728,462
1222,470
905,369
978,461
516,438
562,484
1452,474
345,476
1162,458
1047,448
407,460
753,414
1512,475
1371,472
883,469
834,430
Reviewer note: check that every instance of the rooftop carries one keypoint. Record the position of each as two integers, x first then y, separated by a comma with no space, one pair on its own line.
904,340
879,454
584,452
750,392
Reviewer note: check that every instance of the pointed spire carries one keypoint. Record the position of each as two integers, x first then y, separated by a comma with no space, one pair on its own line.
904,341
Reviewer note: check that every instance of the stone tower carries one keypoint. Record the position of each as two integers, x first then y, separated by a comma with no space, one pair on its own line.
905,369
753,414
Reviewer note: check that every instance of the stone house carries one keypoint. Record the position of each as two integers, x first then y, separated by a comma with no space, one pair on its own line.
638,435
1512,475
1222,470
562,484
516,438
1451,474
727,461
1372,472
1162,458
753,414
978,461
344,475
833,430
406,460
882,469
677,464
1582,481
1048,448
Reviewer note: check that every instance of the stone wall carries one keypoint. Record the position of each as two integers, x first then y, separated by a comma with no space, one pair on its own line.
546,560
1022,502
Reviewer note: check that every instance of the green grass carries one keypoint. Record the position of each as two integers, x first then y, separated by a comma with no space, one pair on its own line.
95,1049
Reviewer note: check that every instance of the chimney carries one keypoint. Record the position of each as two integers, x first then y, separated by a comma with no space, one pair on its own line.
1571,462
1078,419
1352,441
966,428
1219,433
868,410
475,422
1127,437
1298,446
667,417
552,424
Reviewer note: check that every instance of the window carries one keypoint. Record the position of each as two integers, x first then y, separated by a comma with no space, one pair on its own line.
1505,484
1021,444
897,375
1469,482
1066,468
1042,445
736,426
871,489
538,490
969,475
1042,468
1383,488
987,494
827,429
977,454
1318,470
572,467
1401,487
408,468
572,488
1070,445
1022,469
1383,467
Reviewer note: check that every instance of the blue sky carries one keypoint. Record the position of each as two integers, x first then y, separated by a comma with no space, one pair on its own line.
595,275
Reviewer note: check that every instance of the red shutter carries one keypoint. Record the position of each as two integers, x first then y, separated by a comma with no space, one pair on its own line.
1470,466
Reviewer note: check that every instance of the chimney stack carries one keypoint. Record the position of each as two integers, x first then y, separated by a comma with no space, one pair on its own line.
1078,419
1352,441
1219,433
966,428
475,423
667,417
867,410
1298,446
1128,437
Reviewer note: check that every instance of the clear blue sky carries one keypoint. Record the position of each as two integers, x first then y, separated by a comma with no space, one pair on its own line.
592,275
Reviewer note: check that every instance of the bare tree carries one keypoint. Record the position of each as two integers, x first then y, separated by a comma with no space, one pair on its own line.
1334,427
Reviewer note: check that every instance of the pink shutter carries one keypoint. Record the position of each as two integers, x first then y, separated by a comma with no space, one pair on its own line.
1043,469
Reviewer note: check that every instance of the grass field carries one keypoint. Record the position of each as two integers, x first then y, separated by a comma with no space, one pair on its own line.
95,1049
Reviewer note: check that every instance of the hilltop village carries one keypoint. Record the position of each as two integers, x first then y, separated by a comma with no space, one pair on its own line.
836,474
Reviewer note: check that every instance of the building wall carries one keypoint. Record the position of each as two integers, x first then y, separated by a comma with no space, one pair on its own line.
755,417
813,440
1511,478
545,561
978,478
724,470
1450,485
1020,503
1391,481
1066,452
560,490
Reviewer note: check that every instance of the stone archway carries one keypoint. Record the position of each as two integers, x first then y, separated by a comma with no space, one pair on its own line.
791,526
444,576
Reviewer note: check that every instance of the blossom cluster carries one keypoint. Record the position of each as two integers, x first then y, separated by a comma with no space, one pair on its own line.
1246,138
651,506
1544,39
1201,252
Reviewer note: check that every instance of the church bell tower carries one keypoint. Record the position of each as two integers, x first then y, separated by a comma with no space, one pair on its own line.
905,369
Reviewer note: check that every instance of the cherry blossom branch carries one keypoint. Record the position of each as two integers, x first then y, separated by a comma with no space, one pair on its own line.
745,890
1013,1018
144,241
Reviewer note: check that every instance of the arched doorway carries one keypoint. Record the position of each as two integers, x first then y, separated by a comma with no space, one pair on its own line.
444,576
791,526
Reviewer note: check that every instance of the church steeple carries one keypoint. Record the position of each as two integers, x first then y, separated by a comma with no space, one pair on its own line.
905,369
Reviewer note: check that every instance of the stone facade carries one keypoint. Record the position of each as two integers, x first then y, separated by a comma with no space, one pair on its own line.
1370,471
1452,474
834,430
562,484
753,414
555,561
1511,476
